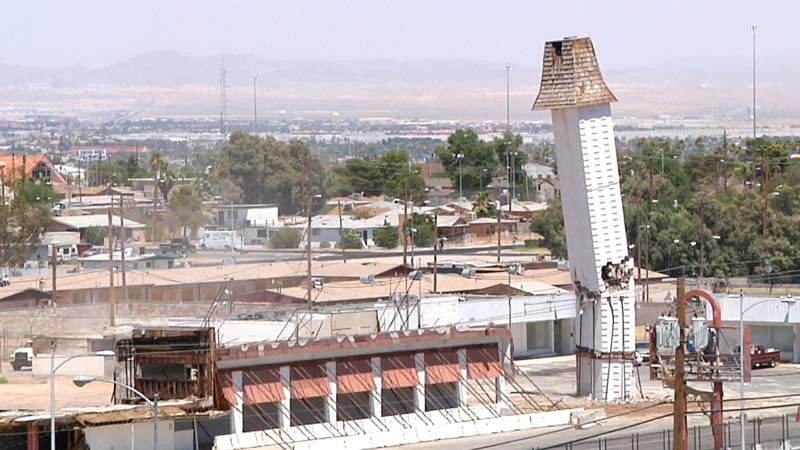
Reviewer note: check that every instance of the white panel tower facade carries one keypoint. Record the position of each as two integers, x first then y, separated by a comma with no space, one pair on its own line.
572,87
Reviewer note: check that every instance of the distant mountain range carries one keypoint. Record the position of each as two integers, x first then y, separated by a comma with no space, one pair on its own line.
180,84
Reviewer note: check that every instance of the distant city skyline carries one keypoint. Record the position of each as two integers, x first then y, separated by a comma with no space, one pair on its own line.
94,33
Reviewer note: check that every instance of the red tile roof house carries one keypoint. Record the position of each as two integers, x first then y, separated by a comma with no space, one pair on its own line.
38,167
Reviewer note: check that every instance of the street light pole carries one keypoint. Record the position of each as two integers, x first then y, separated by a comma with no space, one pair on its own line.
53,369
255,107
753,28
460,157
742,310
81,381
741,371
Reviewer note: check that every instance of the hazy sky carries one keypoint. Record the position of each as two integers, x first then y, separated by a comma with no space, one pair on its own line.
55,33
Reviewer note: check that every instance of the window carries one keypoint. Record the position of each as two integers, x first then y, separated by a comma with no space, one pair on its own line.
538,336
261,233
316,233
398,401
260,416
307,411
353,406
441,396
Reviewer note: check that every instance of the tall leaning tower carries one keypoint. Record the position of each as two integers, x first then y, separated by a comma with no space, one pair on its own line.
572,88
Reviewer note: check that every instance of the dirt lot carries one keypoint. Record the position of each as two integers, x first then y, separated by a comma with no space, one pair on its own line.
24,391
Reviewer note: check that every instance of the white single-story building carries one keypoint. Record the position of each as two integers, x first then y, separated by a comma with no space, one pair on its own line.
774,321
148,261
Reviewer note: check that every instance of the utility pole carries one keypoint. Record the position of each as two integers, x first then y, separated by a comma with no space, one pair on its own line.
404,234
435,247
679,416
255,106
122,252
223,101
649,231
54,263
156,176
753,28
513,180
702,242
309,201
508,132
341,237
766,193
508,99
639,231
499,245
112,302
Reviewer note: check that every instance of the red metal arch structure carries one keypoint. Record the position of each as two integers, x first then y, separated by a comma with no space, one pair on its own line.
716,402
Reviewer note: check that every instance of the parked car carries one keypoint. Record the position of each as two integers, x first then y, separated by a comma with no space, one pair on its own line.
183,246
22,357
642,352
764,357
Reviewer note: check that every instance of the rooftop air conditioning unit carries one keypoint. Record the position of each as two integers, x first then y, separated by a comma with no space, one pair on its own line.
468,272
367,278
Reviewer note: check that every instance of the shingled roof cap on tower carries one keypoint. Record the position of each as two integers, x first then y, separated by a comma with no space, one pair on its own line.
571,76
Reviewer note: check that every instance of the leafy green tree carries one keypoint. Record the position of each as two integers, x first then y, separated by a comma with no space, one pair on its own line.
423,224
115,171
23,220
358,175
550,224
95,235
187,206
266,170
386,236
483,206
285,238
351,240
479,161
395,171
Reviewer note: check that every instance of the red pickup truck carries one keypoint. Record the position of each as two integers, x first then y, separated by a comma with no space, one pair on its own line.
764,357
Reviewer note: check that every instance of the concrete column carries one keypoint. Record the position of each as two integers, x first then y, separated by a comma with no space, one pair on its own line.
284,409
500,382
796,344
330,404
236,410
462,383
419,359
375,396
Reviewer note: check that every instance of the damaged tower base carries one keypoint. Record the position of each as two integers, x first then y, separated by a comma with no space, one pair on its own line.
580,103
607,372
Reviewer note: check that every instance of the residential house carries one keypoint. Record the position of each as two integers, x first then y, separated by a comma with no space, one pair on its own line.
38,167
522,211
133,230
546,188
485,228
147,184
148,261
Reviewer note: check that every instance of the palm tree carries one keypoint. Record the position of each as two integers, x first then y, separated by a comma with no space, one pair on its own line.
483,205
156,164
